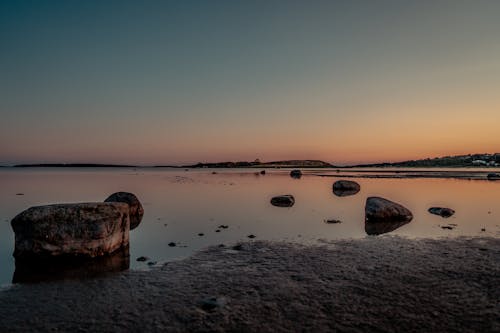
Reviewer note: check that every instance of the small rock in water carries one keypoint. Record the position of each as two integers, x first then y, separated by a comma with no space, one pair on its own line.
493,176
142,259
214,173
344,188
222,245
201,234
211,303
222,226
382,210
483,229
152,263
443,212
263,172
296,174
218,230
251,236
449,227
19,193
172,244
286,200
332,221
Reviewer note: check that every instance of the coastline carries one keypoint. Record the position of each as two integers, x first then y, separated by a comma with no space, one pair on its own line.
385,284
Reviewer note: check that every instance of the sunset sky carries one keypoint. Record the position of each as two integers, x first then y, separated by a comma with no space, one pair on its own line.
172,82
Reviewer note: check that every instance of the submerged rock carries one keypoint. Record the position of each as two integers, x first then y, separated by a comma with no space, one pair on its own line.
343,188
296,174
382,210
263,172
286,200
82,229
136,209
443,212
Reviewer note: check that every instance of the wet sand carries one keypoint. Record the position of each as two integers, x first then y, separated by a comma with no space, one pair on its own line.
378,284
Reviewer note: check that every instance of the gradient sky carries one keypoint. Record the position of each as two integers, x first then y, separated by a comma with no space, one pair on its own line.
168,82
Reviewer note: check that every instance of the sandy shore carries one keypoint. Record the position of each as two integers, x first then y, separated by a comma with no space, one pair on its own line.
381,284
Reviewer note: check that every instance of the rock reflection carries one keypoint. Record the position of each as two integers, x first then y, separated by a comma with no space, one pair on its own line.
54,269
378,228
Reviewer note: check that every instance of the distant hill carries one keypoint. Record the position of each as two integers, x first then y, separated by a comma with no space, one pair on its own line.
471,160
258,164
72,165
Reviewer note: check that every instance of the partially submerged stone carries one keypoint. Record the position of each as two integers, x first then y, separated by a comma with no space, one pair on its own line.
136,209
382,210
343,188
286,200
81,229
441,211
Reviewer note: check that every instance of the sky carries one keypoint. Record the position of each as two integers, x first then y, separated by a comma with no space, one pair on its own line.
176,82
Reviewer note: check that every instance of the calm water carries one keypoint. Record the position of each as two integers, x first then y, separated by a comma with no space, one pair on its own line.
181,204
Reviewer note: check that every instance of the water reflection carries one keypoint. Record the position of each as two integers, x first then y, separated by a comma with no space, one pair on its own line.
378,228
55,269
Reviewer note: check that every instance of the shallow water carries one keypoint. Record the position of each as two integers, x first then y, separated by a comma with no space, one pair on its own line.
181,204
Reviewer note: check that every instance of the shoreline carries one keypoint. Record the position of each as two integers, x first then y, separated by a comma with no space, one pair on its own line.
386,284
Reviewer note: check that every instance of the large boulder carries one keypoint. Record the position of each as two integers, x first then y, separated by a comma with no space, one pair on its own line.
343,188
286,200
136,210
81,230
443,212
382,210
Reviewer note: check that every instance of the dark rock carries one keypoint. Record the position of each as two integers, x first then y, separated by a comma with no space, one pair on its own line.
382,210
449,227
212,303
344,188
152,263
296,174
443,212
136,209
172,244
332,221
83,229
218,230
222,226
201,234
19,193
286,200
493,176
251,236
142,259
263,172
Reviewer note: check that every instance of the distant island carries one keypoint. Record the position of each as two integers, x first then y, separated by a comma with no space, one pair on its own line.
471,160
73,165
259,164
